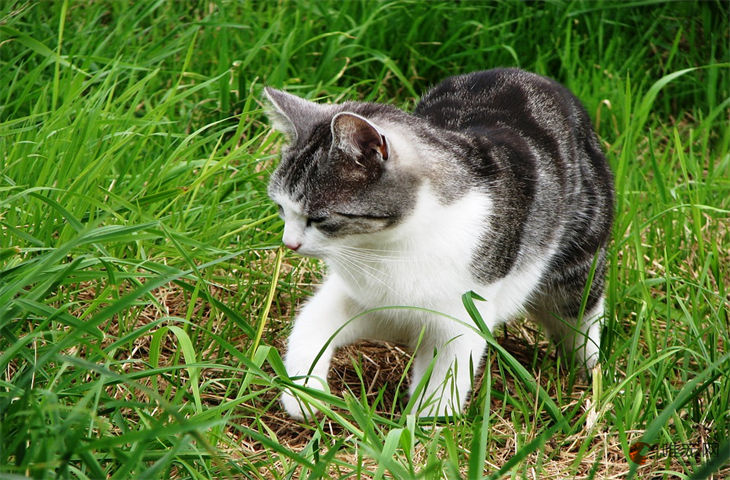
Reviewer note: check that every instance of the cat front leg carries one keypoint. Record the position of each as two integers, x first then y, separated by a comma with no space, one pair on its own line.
321,327
446,366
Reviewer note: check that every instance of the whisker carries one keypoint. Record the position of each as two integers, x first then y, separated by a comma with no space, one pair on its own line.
347,263
376,255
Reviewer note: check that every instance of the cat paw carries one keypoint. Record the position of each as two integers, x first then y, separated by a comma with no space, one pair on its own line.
439,407
440,412
588,371
296,408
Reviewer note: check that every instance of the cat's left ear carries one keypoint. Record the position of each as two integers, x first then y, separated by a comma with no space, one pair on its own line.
358,136
291,115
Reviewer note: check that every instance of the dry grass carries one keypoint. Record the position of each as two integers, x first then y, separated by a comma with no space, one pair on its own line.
595,451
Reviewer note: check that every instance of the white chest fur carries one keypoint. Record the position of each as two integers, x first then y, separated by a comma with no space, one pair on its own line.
420,261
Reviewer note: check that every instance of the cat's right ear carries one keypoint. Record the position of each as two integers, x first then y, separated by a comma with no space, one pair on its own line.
290,114
358,136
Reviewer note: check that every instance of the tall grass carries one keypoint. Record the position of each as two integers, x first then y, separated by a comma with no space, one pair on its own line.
144,297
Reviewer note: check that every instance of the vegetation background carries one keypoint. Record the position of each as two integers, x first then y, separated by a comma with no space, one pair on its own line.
144,295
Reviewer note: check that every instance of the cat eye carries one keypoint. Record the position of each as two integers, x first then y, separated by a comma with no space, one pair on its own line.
281,210
315,220
364,216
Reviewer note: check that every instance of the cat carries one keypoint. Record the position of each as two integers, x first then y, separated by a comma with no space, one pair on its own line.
495,184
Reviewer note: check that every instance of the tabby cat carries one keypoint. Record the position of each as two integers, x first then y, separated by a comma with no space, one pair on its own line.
495,184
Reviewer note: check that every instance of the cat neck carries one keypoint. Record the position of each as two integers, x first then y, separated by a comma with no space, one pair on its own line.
432,240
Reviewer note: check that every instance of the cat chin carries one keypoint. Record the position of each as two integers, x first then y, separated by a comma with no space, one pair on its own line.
316,255
322,254
305,251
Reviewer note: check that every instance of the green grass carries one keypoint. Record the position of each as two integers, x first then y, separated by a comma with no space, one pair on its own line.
144,297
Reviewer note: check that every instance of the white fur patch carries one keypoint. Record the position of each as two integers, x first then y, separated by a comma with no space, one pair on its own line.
413,264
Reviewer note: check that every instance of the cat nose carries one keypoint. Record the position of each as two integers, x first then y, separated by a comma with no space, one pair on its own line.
293,245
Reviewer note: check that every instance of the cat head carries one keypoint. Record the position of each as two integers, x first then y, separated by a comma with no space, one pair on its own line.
342,177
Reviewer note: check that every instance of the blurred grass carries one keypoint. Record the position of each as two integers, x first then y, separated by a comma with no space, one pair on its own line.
138,248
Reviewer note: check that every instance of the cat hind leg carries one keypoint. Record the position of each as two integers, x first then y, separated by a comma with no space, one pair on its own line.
578,338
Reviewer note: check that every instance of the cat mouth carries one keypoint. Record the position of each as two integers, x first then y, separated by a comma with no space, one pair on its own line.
303,250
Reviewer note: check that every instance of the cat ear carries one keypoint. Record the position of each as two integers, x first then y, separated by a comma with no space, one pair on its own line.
357,135
290,114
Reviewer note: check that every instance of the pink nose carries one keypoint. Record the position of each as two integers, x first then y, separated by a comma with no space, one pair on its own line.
294,246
